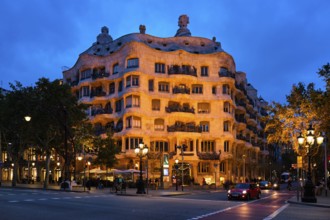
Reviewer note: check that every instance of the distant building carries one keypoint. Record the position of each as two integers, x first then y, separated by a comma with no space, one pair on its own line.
168,92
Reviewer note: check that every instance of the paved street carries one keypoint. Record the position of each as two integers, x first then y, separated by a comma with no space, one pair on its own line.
19,203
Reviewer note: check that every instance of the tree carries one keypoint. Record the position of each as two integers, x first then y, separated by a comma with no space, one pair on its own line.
305,105
55,111
14,106
107,150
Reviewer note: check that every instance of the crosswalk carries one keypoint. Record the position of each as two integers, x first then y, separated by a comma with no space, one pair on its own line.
19,197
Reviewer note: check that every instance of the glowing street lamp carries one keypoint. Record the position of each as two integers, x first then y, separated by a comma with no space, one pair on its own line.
311,143
141,151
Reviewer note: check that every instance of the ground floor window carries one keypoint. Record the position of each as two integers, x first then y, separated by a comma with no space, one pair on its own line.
203,167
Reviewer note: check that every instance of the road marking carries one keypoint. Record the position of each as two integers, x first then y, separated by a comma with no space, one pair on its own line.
278,211
227,209
13,201
216,212
42,199
55,198
28,200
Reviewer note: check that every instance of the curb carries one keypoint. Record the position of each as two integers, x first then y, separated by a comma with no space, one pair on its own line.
309,204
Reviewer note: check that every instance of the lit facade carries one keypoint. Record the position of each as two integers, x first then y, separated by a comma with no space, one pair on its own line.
168,92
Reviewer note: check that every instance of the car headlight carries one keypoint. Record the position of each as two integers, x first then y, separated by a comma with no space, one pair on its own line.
266,185
275,185
244,191
228,191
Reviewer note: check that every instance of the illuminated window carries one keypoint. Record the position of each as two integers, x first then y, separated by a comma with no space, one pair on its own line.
132,101
159,124
133,122
203,108
156,105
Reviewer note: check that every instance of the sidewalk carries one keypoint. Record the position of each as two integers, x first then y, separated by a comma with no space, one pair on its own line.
129,191
322,200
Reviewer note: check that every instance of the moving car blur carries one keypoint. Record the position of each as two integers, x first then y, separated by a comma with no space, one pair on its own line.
265,185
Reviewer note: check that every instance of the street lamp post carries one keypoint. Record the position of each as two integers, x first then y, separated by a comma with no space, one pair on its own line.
27,118
176,173
309,193
89,169
182,148
215,175
80,158
141,150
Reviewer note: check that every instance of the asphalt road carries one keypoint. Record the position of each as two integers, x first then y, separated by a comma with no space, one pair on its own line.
25,204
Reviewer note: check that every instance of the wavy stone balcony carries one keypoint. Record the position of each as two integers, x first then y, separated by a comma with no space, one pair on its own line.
208,155
184,127
179,108
101,111
184,69
180,90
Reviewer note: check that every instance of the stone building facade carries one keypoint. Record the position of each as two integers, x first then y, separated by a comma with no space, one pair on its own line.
168,92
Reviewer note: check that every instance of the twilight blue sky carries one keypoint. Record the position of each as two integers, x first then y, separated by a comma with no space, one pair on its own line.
277,43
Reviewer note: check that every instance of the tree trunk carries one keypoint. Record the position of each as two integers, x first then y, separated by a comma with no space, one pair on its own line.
15,174
46,182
